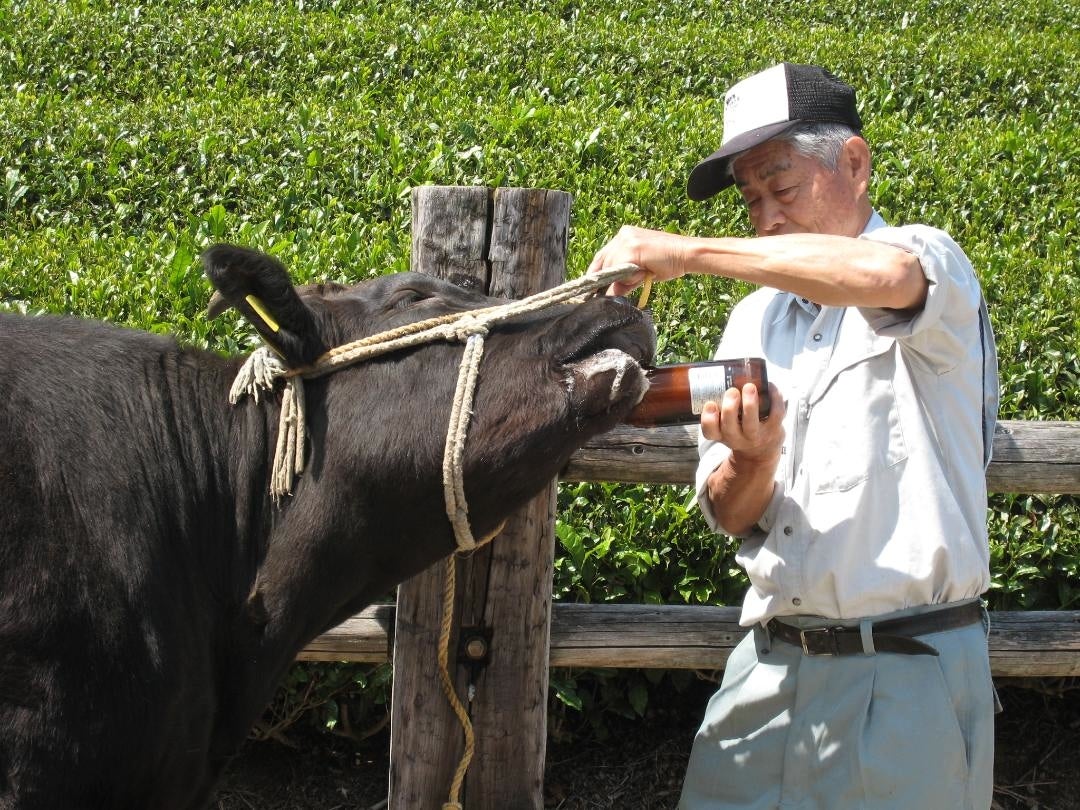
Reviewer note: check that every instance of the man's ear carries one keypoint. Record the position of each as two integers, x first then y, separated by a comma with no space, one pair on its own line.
260,288
855,162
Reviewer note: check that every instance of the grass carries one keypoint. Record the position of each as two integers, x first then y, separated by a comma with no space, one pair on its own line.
133,135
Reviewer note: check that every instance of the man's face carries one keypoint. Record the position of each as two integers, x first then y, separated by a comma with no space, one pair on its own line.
786,192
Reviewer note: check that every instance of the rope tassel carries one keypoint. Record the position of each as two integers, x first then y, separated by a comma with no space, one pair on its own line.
259,372
289,454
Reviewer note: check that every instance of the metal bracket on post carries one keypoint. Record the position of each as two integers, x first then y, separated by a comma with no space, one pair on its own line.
474,648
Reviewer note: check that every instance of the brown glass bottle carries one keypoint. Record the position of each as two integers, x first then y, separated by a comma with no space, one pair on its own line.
677,393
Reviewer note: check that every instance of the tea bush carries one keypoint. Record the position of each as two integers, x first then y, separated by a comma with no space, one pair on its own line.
133,135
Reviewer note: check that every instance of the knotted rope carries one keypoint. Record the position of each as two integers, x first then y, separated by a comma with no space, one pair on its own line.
262,369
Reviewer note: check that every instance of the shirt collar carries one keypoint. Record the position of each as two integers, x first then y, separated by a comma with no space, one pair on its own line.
874,222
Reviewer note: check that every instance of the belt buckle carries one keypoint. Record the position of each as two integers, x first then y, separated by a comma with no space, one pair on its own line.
830,632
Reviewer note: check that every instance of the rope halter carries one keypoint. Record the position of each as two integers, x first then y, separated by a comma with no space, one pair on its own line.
262,369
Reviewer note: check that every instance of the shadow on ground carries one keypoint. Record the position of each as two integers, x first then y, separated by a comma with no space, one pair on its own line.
639,766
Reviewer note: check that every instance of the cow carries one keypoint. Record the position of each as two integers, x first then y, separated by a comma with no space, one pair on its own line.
153,591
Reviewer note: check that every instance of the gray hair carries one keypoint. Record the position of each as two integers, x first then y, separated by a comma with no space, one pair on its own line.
821,141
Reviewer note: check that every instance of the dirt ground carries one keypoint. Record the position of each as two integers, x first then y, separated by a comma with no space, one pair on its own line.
1037,764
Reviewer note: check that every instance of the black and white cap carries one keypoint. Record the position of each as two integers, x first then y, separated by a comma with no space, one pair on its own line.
763,106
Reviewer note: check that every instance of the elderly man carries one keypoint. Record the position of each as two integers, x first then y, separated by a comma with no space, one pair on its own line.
860,503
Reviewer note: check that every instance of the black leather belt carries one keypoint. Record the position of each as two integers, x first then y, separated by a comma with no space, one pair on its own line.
891,636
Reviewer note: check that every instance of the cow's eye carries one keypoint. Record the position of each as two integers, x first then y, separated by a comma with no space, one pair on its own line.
403,299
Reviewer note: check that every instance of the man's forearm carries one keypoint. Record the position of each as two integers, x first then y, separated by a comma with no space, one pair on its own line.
739,491
829,270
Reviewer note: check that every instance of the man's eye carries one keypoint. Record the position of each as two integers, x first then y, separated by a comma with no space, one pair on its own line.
788,192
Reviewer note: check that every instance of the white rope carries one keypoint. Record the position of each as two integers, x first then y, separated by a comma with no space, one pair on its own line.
258,373
262,369
454,453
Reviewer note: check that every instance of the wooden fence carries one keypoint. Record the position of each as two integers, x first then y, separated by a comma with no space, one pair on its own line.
509,633
1029,456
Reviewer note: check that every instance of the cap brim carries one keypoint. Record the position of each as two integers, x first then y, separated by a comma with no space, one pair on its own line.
711,175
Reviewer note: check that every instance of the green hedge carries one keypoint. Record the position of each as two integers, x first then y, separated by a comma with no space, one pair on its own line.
131,136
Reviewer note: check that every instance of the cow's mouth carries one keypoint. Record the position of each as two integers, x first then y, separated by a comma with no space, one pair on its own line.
614,371
604,365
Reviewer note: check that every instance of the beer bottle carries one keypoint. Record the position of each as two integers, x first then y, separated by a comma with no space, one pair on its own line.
678,393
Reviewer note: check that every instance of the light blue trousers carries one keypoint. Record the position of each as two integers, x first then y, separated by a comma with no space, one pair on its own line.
875,732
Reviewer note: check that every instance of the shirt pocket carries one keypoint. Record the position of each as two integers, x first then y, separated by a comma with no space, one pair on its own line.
854,429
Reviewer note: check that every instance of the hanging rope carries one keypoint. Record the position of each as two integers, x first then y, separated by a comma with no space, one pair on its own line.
454,452
449,591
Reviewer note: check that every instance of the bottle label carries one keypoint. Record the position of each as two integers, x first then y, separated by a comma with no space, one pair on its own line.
708,383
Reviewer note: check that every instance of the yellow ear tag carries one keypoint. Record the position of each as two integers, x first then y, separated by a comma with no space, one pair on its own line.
260,310
646,288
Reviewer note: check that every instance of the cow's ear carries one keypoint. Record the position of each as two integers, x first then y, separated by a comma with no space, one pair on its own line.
259,286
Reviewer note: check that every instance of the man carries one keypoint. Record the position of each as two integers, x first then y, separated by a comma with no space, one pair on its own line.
860,503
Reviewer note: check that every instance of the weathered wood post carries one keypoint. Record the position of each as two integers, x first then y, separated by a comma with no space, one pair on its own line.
514,240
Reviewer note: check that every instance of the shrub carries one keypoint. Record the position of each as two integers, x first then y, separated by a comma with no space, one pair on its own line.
132,135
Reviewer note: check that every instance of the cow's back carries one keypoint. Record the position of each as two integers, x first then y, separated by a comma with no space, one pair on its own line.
106,462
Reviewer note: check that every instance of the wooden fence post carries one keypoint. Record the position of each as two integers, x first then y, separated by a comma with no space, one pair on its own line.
514,240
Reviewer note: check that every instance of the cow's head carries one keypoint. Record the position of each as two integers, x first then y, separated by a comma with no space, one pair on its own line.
548,381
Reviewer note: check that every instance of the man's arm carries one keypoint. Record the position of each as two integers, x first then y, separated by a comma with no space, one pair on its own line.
829,270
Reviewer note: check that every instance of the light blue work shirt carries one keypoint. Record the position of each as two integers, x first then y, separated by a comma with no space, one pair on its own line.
879,502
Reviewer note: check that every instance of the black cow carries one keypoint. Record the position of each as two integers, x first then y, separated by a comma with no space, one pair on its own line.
152,593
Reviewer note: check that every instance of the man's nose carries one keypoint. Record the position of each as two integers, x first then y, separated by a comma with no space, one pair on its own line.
770,217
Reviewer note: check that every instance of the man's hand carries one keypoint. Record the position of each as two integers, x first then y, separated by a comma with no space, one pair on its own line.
734,421
658,254
740,489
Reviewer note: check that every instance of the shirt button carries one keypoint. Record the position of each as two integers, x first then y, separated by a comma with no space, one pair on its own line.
788,530
796,601
817,337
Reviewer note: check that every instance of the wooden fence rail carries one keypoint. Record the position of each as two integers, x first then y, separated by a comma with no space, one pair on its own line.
1022,643
1029,456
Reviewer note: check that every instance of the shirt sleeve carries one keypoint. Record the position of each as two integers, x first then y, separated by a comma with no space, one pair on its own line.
710,456
954,318
951,310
